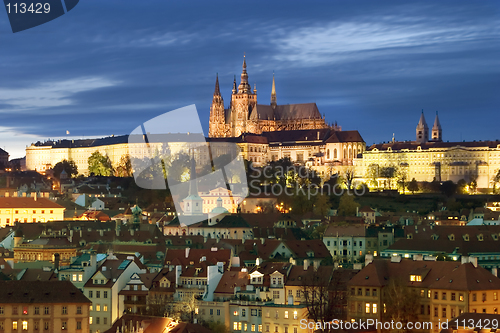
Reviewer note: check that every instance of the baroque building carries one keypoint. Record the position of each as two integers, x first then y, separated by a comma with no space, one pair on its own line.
427,160
244,115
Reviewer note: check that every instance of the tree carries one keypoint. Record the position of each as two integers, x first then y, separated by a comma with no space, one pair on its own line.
322,204
186,307
496,179
347,205
160,305
124,167
413,186
68,166
348,176
372,175
324,295
389,172
401,302
100,165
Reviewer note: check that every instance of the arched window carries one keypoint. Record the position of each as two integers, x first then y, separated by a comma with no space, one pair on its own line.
345,153
251,149
328,154
350,153
335,153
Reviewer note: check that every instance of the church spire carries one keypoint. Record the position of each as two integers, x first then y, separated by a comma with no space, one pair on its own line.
234,86
437,132
217,89
273,94
422,130
244,87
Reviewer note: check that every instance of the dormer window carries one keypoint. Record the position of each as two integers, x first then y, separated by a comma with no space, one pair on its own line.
409,236
451,237
480,237
416,278
435,237
466,237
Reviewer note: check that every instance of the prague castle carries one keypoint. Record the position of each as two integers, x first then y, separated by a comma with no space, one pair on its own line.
428,159
244,115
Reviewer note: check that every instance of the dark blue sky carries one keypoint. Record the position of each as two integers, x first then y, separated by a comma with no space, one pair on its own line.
108,66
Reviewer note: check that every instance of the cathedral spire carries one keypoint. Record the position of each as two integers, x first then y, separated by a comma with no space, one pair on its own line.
244,87
273,94
234,86
217,89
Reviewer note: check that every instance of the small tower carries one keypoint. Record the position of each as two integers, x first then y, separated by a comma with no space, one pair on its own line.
18,237
217,116
422,130
193,203
273,94
437,132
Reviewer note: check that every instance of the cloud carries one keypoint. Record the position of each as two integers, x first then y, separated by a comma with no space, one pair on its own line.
364,38
50,94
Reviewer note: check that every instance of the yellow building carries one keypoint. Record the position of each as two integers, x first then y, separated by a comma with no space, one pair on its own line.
43,306
426,160
446,289
29,210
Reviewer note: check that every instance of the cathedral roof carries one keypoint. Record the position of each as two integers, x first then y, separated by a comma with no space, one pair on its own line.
345,136
285,112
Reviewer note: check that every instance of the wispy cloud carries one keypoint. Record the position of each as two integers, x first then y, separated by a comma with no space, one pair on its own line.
341,41
50,94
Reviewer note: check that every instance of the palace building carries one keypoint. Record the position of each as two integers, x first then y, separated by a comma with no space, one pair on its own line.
245,115
431,159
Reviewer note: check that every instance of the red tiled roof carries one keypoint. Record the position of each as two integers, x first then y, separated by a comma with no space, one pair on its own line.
25,202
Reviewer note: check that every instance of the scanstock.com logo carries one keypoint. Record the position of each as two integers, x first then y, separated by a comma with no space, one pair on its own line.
26,14
170,152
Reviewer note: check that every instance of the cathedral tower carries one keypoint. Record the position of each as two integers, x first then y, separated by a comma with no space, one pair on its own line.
422,130
437,132
242,104
273,95
217,116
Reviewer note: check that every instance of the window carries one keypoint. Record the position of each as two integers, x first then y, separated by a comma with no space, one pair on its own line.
367,308
79,325
46,325
98,294
80,277
428,294
374,292
14,325
267,328
295,314
253,312
98,307
260,328
105,294
461,297
277,315
105,308
91,293
211,312
243,312
444,296
64,325
484,297
297,294
78,310
36,325
435,311
46,310
367,292
453,297
474,297
436,295
74,277
286,314
245,326
37,310
218,312
444,312
105,320
97,320
25,310
90,320
64,310
495,296
1,310
276,294
25,325
374,308
14,310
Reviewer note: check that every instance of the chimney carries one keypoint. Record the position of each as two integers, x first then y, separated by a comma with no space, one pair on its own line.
396,258
418,257
368,259
131,231
306,264
81,233
101,232
464,259
187,252
262,240
494,271
178,271
56,261
473,260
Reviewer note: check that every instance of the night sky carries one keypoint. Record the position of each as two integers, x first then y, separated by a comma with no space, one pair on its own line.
108,66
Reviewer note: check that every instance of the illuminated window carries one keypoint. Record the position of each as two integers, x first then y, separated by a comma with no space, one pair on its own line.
14,325
260,328
286,314
461,298
74,277
374,308
245,326
367,307
98,307
90,320
25,310
295,314
253,328
64,325
235,313
105,308
239,326
25,325
235,326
